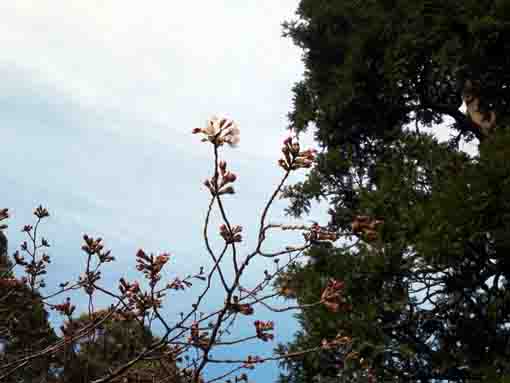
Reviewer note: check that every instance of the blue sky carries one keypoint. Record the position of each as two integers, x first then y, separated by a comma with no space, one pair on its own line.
97,104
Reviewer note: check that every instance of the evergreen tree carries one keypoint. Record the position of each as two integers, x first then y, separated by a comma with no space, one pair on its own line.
426,273
115,342
24,325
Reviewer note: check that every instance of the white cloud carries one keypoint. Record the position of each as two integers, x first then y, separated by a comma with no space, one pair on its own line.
164,65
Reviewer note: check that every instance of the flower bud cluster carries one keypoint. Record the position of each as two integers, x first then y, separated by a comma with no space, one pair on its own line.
95,247
231,236
4,214
197,339
151,266
366,226
88,279
251,361
241,378
285,288
332,296
318,233
262,329
221,182
138,302
219,130
35,267
41,212
294,158
178,284
128,289
237,307
339,342
65,308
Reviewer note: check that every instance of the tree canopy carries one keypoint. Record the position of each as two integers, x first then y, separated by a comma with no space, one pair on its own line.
426,272
24,325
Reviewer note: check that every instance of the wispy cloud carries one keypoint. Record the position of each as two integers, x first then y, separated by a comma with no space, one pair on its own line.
164,66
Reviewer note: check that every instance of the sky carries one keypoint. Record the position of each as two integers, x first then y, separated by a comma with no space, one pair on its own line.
97,104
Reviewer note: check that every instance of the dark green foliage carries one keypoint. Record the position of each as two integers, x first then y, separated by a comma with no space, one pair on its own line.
429,296
24,325
112,344
373,66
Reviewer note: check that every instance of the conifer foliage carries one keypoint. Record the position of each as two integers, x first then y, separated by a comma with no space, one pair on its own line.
426,268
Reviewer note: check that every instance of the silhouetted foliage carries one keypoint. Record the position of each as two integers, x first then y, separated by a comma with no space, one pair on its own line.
428,287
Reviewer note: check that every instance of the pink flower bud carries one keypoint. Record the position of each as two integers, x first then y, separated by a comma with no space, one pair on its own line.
307,163
229,177
223,167
283,164
308,154
227,190
225,123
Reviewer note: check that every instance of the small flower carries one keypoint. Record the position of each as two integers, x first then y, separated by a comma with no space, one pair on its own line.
208,185
318,233
65,308
196,338
41,212
178,284
228,178
26,229
294,158
128,289
366,226
223,185
151,265
251,361
19,259
220,131
245,309
262,328
332,296
231,236
237,307
285,287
